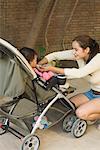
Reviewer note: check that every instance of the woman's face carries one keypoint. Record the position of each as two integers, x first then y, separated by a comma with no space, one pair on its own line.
33,63
79,51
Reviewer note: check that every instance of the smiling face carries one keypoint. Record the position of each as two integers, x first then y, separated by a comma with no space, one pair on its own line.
79,51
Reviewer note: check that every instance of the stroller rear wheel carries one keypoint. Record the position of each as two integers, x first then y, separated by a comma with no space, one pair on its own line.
68,122
4,124
79,127
31,142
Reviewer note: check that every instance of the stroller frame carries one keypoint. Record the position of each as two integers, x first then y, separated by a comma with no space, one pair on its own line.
32,141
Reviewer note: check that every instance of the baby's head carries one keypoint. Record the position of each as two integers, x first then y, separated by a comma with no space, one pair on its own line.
30,55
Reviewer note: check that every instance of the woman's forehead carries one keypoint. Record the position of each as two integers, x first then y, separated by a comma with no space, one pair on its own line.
75,44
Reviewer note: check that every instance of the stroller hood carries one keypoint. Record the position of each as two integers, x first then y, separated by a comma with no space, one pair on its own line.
12,81
14,69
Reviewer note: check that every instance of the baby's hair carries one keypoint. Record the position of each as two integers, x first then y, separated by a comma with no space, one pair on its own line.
28,53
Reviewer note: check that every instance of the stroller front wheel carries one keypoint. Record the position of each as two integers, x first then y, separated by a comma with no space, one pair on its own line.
32,142
79,128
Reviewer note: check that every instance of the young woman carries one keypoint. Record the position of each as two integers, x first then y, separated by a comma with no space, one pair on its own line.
86,52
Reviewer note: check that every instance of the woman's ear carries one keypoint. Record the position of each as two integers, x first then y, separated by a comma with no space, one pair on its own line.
87,50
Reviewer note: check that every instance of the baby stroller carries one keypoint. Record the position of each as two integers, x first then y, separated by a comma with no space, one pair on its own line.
14,73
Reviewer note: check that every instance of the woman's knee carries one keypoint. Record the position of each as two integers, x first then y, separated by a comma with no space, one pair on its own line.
80,113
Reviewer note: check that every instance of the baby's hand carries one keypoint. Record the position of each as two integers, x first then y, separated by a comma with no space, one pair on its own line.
43,68
38,67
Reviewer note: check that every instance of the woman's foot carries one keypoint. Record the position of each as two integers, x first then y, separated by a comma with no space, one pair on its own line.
91,122
98,124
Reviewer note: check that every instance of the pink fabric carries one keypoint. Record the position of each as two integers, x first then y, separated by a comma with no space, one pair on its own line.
38,72
44,75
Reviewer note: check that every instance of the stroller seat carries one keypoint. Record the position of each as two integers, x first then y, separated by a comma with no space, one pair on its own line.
13,79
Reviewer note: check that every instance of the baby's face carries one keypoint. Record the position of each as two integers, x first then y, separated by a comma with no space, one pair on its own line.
33,63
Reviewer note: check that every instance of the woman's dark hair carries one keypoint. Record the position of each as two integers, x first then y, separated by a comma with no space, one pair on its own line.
28,53
86,41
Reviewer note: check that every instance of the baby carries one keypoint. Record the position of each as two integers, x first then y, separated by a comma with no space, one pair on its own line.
31,56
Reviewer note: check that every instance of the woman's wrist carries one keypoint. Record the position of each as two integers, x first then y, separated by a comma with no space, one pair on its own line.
56,70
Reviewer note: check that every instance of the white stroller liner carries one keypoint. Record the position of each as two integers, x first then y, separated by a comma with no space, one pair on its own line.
30,141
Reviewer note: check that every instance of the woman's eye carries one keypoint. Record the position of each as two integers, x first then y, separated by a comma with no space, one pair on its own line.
76,50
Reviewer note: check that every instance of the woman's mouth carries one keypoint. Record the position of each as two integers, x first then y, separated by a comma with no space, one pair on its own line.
75,55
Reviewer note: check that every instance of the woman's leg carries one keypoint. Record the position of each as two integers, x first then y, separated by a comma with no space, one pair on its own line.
79,99
89,110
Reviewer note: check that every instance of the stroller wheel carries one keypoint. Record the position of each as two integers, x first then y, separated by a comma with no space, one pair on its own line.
68,122
79,127
31,143
4,124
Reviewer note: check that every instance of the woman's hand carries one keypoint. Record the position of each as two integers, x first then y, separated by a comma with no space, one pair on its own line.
57,70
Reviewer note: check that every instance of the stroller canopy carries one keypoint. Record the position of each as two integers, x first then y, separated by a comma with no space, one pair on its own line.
14,69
